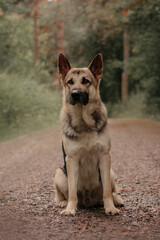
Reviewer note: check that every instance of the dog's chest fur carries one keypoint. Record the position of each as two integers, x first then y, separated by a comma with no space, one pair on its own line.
85,135
89,181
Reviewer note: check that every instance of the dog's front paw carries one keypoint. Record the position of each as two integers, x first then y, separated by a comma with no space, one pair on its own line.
68,212
112,211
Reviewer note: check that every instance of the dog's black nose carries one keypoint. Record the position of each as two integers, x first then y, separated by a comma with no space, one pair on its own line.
76,95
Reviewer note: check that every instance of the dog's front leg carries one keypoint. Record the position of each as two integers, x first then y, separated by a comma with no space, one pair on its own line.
72,171
105,166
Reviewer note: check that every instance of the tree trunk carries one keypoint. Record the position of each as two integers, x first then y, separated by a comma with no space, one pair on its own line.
60,31
125,79
36,30
60,37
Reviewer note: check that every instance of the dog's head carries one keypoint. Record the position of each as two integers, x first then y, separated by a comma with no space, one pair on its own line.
81,85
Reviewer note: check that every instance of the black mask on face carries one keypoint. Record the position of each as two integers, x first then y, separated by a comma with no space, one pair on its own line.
77,96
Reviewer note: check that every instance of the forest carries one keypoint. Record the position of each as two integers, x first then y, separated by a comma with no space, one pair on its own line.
32,33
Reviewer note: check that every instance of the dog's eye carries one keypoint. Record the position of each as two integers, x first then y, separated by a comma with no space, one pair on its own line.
70,82
85,81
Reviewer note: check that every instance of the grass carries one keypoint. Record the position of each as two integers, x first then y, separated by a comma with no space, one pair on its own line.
26,106
132,108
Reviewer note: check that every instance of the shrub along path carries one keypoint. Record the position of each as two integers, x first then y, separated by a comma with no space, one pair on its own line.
27,167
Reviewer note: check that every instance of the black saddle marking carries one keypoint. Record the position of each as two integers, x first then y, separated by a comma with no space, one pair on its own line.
72,137
99,175
64,168
102,128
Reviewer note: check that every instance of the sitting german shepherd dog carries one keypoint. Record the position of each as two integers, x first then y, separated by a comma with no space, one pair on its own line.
86,178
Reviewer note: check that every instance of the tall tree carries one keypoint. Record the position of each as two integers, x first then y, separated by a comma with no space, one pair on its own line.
126,49
60,29
60,36
36,30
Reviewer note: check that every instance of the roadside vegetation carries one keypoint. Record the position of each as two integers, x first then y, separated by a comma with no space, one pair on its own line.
30,98
26,105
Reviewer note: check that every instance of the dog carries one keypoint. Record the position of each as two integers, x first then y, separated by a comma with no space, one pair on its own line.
86,178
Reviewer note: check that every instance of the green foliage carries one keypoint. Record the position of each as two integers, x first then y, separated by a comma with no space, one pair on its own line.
16,45
90,27
144,63
25,105
132,108
5,5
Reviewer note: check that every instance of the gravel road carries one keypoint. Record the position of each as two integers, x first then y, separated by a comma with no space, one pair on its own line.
27,167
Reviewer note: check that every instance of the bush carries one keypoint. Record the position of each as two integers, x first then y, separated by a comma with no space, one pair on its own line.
133,107
25,105
16,44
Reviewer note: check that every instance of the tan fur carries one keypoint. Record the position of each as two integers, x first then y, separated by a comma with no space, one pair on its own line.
87,144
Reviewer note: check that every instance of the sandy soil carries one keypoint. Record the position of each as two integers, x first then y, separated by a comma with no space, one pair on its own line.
27,167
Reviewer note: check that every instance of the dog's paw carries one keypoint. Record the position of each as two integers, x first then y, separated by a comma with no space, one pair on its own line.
117,200
63,203
68,212
112,211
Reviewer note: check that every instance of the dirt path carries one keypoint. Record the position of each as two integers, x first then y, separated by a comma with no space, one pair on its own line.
27,167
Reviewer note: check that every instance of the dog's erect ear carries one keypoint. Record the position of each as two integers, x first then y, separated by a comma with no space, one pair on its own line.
63,65
96,66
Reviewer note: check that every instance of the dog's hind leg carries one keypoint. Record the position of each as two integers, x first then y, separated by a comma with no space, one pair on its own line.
61,188
116,199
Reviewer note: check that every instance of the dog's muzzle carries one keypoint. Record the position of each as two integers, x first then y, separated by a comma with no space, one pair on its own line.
77,96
